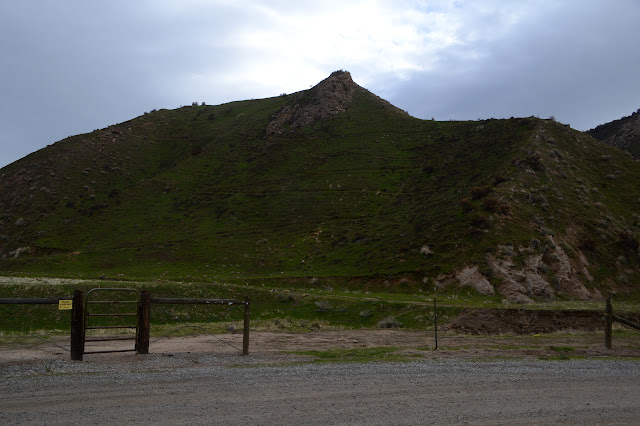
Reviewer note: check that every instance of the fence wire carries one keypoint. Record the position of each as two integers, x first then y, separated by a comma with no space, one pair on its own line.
199,327
219,316
44,339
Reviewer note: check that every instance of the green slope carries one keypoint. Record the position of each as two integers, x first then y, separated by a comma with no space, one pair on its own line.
369,192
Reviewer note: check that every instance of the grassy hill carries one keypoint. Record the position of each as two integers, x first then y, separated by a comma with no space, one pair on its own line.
329,184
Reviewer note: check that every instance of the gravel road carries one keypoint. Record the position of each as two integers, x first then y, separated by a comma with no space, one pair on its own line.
210,388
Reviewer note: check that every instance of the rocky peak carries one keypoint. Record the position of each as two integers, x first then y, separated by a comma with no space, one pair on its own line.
327,98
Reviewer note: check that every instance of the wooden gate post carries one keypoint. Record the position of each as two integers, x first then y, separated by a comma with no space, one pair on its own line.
144,319
435,316
77,326
245,330
608,323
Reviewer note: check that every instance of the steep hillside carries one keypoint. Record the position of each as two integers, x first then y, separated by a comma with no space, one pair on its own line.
623,133
332,183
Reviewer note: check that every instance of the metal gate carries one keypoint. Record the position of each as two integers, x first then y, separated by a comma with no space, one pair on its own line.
111,309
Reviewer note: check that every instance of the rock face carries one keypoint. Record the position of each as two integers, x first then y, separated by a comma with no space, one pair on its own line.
522,284
328,98
471,277
543,276
623,133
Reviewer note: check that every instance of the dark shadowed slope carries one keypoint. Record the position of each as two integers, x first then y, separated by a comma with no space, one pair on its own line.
623,133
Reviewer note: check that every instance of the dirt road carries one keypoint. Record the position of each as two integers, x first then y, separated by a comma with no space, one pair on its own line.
201,380
442,392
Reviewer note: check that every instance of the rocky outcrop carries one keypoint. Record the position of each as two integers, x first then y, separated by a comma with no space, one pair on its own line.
520,285
547,272
471,277
543,276
329,97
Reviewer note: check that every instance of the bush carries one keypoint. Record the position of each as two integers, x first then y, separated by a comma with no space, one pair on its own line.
629,241
286,297
466,205
495,206
323,306
478,192
389,322
535,161
498,179
480,222
491,205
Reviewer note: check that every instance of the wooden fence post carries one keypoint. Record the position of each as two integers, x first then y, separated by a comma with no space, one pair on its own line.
435,316
144,326
77,326
608,323
245,331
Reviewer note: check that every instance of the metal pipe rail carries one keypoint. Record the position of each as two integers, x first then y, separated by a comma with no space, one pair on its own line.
626,322
32,301
107,339
191,301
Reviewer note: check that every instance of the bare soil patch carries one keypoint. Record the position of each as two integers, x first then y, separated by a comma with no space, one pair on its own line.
281,347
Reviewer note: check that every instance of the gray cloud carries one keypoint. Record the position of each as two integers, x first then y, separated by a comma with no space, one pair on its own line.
575,61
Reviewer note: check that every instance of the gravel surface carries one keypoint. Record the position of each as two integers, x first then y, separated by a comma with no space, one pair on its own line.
206,388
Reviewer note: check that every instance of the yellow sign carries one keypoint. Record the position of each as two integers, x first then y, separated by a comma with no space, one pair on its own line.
65,304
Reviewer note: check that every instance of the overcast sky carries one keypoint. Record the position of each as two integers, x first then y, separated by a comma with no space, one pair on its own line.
73,66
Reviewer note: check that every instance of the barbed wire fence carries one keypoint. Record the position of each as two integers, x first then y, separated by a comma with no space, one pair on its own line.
342,311
216,319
